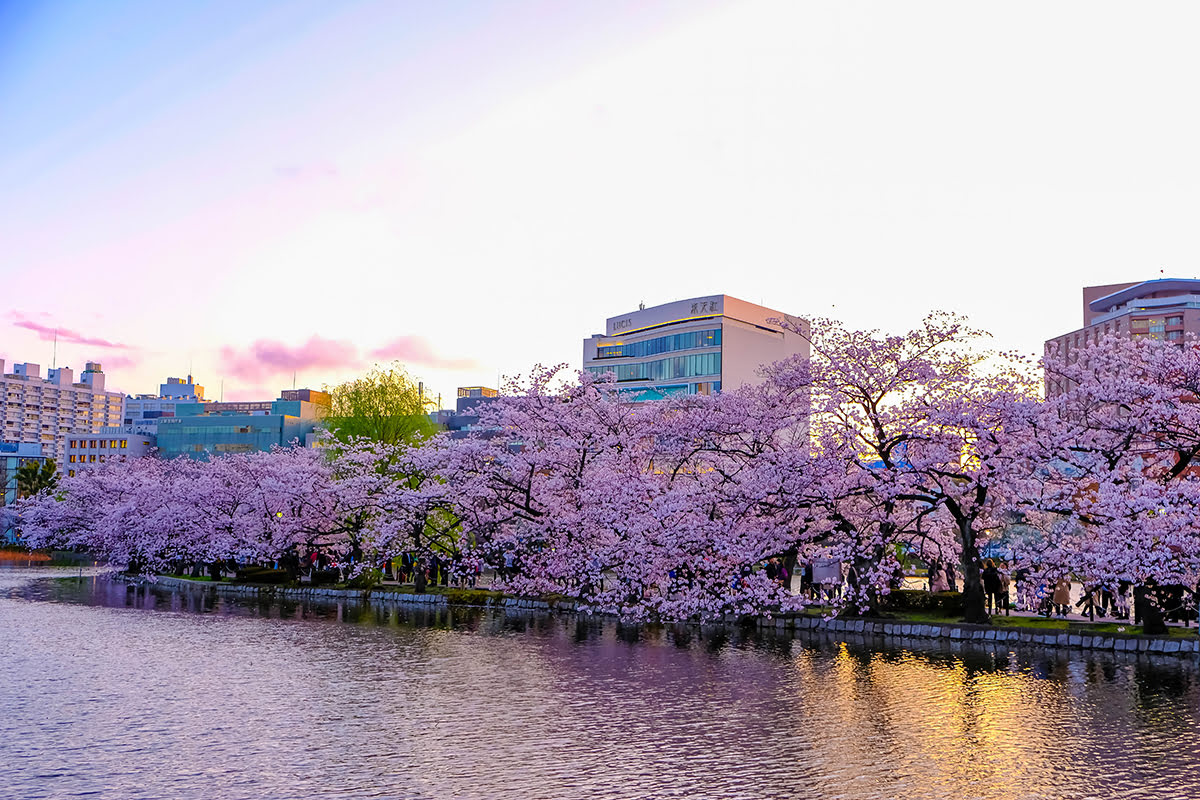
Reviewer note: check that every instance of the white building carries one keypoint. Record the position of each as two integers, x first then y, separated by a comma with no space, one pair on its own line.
47,411
695,346
145,410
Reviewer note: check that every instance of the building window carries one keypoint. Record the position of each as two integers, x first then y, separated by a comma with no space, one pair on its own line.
124,443
665,369
661,344
70,473
92,458
92,444
103,444
71,459
1174,320
101,458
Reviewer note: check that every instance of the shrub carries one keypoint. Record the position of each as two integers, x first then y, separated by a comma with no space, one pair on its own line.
256,574
946,603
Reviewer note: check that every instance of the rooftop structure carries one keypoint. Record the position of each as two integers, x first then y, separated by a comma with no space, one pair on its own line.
145,410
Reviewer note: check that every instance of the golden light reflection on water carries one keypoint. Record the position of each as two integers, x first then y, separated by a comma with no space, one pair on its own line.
940,724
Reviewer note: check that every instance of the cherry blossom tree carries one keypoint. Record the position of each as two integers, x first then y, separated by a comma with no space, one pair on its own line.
1114,468
917,435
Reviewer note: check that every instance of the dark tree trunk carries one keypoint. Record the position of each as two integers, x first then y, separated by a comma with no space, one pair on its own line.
974,599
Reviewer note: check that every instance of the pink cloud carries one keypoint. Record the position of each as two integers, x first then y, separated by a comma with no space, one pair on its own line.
111,361
266,357
48,332
415,350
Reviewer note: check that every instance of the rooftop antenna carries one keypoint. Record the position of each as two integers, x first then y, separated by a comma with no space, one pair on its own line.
222,393
642,306
293,380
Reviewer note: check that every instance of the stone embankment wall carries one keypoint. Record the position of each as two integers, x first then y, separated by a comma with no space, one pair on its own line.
787,623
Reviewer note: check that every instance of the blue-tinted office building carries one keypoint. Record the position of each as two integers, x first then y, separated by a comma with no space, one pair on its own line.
204,430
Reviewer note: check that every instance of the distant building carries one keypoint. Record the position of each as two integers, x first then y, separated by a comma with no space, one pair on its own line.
696,346
12,456
1164,308
469,392
47,411
116,443
145,410
203,430
464,419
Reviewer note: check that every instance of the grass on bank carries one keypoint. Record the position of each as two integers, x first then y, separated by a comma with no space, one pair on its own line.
486,597
1040,624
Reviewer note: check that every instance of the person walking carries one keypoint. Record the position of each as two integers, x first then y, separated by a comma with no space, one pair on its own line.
1005,584
937,578
1062,596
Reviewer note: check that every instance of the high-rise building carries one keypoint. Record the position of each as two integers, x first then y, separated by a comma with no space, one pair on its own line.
695,346
47,411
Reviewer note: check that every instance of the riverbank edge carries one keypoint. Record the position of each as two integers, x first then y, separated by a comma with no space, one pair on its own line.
782,623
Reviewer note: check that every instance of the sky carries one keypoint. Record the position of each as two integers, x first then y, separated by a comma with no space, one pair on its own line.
271,192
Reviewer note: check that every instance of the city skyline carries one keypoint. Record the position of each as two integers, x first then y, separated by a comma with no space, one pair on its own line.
302,189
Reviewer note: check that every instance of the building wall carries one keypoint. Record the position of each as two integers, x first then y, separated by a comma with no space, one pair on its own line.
735,339
12,456
1165,308
203,430
48,411
113,443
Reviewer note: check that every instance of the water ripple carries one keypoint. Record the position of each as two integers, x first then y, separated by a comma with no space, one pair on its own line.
115,692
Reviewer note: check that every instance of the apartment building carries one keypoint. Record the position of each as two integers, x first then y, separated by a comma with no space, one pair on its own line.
46,411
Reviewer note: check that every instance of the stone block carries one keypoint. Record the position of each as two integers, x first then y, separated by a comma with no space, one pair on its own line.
1156,646
1063,640
956,633
1074,640
1171,646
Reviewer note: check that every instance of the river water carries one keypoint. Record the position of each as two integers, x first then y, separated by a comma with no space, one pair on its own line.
117,692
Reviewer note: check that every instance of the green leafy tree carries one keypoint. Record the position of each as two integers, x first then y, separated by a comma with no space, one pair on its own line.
34,476
385,405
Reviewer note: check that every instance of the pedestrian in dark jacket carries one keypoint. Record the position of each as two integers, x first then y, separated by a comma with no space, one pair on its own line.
992,586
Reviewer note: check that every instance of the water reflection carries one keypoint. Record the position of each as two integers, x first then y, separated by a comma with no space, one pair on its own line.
138,692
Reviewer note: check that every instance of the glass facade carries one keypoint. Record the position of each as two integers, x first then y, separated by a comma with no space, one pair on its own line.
661,344
666,369
202,437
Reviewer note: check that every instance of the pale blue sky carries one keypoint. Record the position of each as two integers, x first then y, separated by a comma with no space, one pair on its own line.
476,186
